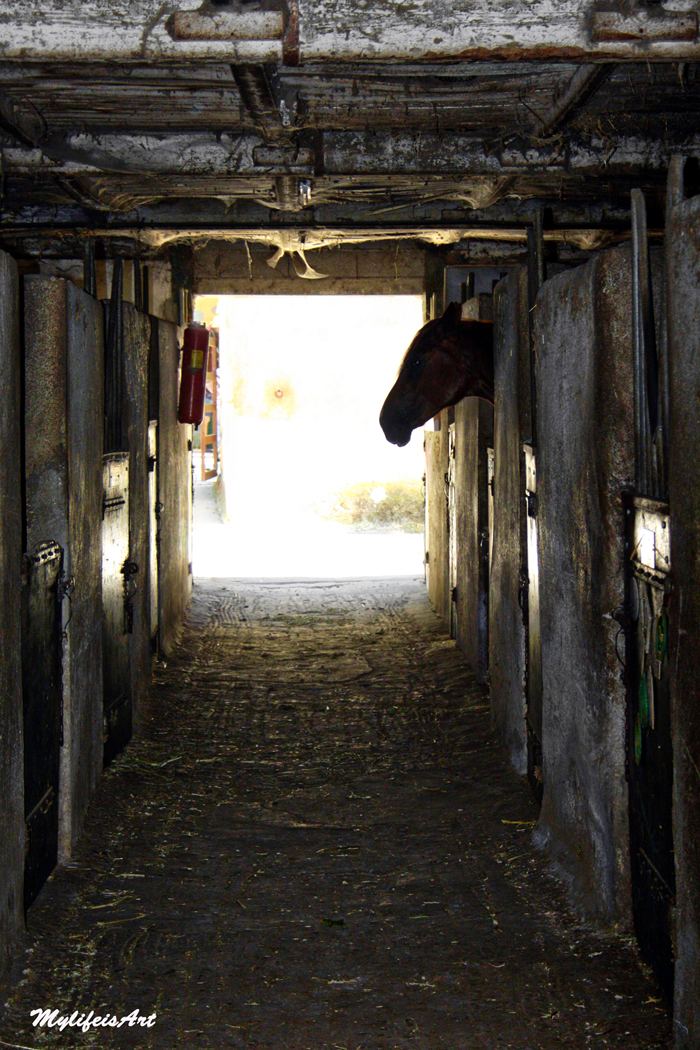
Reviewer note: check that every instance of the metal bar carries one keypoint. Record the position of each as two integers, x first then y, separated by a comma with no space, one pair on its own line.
145,291
113,362
138,285
535,279
675,192
646,360
637,339
675,195
89,269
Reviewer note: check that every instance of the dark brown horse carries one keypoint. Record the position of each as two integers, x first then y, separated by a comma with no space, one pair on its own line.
449,359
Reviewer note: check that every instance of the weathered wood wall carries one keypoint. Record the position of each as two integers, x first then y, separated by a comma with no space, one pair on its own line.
11,746
583,343
436,462
373,269
64,427
683,252
174,487
508,584
137,336
473,435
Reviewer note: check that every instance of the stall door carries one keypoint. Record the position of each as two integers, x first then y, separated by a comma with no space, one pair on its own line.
42,699
649,744
117,591
650,755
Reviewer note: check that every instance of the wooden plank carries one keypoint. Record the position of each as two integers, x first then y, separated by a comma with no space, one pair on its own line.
346,153
129,30
11,749
227,25
644,26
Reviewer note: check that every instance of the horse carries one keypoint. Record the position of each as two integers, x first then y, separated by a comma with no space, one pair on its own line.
448,359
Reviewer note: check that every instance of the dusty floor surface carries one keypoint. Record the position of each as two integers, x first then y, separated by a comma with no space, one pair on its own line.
317,846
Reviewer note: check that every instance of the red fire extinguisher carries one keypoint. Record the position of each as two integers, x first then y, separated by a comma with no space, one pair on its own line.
195,352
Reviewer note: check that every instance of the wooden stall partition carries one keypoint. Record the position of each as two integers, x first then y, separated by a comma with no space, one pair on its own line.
683,259
11,737
174,490
583,341
63,455
137,337
473,437
437,531
508,579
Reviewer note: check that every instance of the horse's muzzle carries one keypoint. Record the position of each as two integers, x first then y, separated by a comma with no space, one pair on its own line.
395,433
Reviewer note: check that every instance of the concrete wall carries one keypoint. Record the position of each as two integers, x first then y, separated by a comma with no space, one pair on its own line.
64,386
222,268
583,334
473,435
174,488
683,253
11,742
436,464
137,335
508,584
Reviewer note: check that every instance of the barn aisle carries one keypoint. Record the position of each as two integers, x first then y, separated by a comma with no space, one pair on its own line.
317,845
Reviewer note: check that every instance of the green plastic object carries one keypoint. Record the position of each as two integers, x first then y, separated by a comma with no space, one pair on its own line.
643,715
637,741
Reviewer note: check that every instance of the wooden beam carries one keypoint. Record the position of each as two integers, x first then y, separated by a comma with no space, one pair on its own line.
339,153
424,30
580,89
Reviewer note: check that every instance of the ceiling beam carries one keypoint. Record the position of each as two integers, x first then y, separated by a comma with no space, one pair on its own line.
339,153
292,239
213,213
134,30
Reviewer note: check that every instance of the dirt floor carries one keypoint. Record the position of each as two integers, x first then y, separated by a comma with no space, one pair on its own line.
318,846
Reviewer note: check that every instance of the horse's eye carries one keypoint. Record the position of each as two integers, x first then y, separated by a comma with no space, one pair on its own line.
418,362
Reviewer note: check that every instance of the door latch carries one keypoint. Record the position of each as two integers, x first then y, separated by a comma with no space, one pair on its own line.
129,571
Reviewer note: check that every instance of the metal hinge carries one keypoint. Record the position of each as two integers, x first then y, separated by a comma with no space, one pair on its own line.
129,570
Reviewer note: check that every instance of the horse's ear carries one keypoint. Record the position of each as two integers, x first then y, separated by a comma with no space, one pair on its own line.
453,313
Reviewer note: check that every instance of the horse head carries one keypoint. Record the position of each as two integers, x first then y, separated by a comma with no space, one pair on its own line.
449,359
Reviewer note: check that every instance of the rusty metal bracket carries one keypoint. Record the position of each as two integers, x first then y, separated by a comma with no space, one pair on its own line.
644,26
290,40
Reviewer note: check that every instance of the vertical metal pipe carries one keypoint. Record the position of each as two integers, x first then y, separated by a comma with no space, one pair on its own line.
138,285
89,269
640,442
675,195
145,291
535,279
113,363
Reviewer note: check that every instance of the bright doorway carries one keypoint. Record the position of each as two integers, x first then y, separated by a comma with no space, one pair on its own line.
309,486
